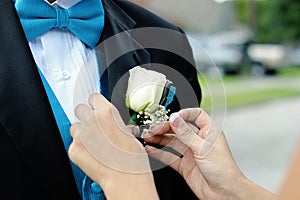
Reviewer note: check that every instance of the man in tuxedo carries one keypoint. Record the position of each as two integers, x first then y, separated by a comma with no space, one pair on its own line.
41,59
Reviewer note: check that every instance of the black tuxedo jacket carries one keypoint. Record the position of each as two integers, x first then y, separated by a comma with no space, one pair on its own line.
33,162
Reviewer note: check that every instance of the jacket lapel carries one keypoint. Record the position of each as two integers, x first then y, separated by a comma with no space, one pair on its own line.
120,54
120,50
26,112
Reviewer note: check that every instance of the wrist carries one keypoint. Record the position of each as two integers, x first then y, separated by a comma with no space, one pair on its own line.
241,189
134,186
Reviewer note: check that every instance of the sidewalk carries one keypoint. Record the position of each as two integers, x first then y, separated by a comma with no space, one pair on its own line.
262,139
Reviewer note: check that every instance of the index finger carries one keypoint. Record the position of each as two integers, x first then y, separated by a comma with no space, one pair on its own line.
160,129
97,101
197,115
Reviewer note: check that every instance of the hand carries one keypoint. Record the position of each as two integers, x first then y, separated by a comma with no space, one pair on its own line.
105,149
207,164
289,189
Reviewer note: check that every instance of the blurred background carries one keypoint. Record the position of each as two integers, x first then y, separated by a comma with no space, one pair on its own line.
248,53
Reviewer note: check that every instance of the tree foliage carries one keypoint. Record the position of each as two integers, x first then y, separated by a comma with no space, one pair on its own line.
275,20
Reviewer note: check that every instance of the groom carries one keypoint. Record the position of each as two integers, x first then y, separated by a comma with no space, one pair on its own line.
41,58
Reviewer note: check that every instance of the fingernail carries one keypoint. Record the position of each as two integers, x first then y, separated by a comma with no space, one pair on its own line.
146,134
175,119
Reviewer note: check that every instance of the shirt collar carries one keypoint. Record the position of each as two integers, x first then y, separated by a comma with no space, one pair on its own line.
66,4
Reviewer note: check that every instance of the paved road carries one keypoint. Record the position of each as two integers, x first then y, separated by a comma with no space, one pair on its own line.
262,139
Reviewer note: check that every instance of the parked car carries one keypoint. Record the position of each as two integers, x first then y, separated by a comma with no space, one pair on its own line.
217,51
294,56
232,51
266,58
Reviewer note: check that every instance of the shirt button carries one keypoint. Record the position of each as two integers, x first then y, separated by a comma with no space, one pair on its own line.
95,188
65,74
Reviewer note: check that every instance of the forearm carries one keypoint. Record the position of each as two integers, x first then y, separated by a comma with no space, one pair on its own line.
244,189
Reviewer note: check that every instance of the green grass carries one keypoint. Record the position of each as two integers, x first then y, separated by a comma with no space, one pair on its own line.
247,98
291,71
243,97
204,80
259,96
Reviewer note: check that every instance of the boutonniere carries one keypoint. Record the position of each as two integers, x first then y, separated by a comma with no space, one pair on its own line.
148,95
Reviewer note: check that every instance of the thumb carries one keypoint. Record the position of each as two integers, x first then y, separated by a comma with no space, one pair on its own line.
185,133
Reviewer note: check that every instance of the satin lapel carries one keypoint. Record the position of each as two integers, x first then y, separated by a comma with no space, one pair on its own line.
26,112
120,53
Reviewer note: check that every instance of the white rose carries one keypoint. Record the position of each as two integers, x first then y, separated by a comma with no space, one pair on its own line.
145,89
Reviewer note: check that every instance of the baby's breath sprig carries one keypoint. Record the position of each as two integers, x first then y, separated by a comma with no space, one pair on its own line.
160,115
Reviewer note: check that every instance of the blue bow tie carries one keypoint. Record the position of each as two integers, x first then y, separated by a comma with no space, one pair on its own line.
85,19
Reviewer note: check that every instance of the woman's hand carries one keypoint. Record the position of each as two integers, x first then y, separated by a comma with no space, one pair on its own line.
105,149
207,164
